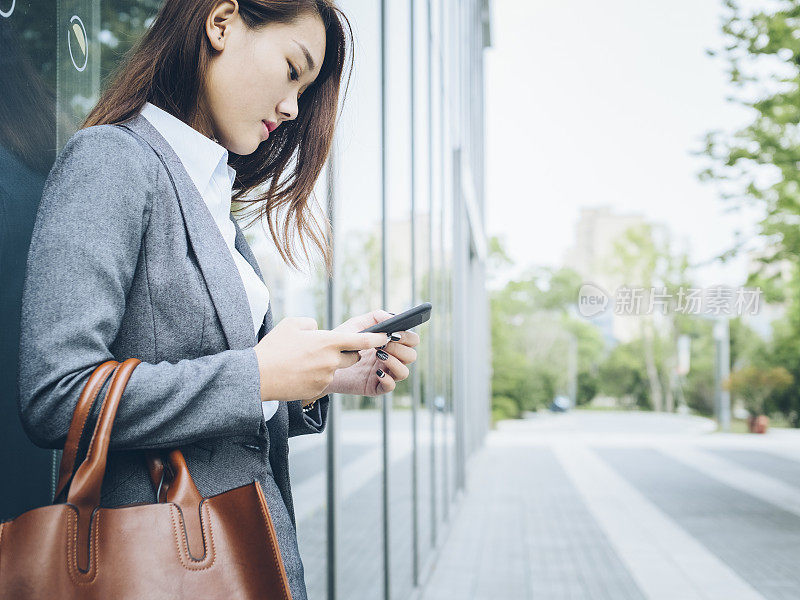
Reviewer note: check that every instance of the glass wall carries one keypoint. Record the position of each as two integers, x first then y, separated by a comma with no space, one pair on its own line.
422,374
29,114
403,190
359,562
398,286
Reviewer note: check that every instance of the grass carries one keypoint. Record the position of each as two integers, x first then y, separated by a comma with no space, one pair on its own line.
740,425
608,408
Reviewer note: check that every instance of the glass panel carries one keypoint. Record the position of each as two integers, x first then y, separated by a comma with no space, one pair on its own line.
451,132
439,324
422,274
79,43
359,544
295,294
398,248
78,55
28,120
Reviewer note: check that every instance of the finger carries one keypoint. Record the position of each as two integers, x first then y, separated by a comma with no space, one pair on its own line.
369,319
390,363
408,338
304,322
403,353
381,315
385,383
358,341
374,317
348,359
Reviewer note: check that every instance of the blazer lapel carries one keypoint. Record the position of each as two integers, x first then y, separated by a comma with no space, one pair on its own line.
213,256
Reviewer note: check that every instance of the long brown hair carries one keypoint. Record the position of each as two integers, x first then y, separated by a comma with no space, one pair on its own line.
167,67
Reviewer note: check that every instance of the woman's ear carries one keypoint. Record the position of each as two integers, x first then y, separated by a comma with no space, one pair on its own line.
219,23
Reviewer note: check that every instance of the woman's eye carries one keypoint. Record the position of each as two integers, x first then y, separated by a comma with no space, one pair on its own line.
293,73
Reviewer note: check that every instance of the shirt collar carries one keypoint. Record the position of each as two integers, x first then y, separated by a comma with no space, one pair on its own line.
200,155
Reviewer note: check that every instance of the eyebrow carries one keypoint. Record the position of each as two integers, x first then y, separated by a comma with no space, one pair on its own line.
307,54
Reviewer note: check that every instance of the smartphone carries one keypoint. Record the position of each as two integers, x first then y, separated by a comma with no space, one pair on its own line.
405,320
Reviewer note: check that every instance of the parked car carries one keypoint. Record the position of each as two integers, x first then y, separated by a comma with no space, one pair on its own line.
559,404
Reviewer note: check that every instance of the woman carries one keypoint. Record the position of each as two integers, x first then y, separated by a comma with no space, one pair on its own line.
135,254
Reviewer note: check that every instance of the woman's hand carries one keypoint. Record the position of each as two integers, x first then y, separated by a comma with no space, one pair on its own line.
362,377
298,361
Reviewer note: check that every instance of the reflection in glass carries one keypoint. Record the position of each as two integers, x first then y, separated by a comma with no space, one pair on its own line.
55,60
28,117
399,281
421,124
358,276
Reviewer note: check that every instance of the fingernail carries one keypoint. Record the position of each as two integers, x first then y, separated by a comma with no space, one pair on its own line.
388,334
382,355
384,346
380,373
395,336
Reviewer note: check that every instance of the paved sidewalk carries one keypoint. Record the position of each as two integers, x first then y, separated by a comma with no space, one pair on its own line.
618,506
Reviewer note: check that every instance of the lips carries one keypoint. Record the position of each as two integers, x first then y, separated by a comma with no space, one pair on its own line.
271,126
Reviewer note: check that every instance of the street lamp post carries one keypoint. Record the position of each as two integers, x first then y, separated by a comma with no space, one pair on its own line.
722,370
572,371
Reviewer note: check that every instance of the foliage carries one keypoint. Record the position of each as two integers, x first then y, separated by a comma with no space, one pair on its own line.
699,383
755,384
531,327
504,407
643,258
784,350
757,166
622,374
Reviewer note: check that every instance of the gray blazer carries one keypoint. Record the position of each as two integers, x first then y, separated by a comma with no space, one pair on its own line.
126,261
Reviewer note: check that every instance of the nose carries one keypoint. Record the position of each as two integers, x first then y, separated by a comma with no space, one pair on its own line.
288,109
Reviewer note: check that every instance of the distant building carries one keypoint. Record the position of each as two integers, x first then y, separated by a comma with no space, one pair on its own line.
591,255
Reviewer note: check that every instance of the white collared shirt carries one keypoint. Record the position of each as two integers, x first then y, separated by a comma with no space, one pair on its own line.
206,162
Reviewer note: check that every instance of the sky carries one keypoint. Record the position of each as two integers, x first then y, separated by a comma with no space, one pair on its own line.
602,103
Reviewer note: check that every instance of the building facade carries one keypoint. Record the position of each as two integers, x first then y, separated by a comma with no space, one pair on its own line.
403,190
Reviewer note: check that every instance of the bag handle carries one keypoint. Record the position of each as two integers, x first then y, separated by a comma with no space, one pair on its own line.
84,491
174,484
78,425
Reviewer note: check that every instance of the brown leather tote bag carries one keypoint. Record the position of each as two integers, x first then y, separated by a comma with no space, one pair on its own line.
183,546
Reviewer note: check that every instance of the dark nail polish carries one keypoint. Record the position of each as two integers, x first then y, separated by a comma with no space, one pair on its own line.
384,346
395,337
382,355
380,373
388,334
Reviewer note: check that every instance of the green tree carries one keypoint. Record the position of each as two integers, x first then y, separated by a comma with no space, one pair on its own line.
623,375
531,330
756,384
757,164
644,259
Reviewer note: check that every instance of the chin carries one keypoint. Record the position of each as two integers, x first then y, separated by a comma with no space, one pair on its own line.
252,148
244,150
